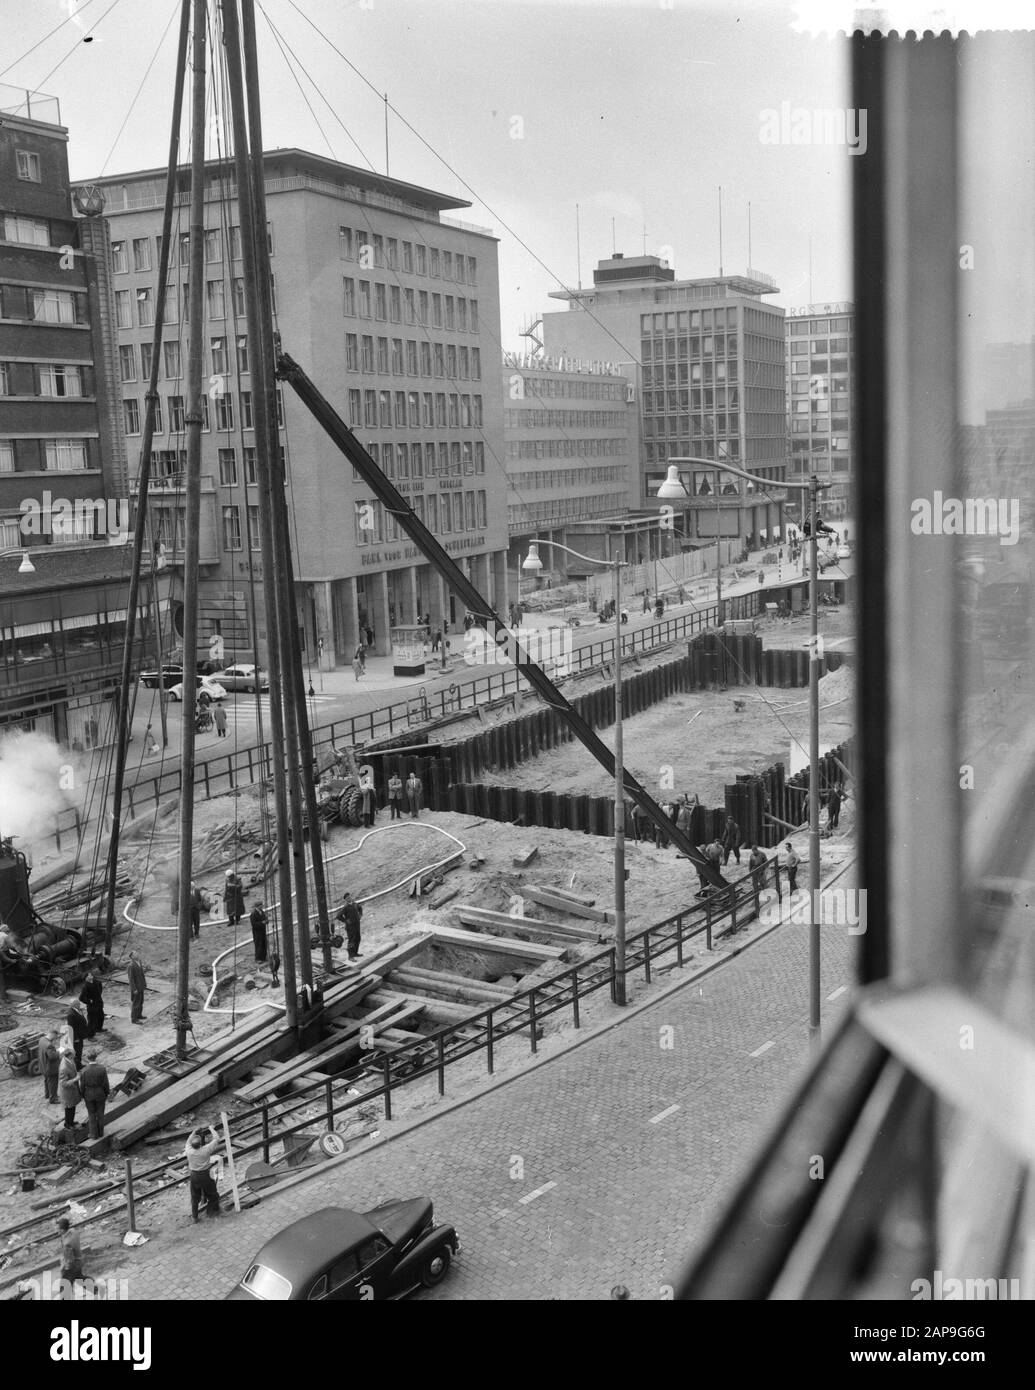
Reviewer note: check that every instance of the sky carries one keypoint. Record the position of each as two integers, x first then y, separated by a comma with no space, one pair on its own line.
636,112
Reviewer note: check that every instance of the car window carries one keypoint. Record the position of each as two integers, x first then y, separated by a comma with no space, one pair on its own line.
342,1271
266,1283
373,1250
319,1289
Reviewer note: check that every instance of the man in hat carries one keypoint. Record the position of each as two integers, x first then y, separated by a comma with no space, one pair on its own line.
414,790
137,986
202,1184
395,795
96,1089
92,997
68,1086
258,924
220,719
79,1030
234,897
49,1060
790,863
349,916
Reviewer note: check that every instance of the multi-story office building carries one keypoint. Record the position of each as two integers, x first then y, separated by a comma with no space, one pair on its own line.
707,359
820,392
393,310
571,440
64,498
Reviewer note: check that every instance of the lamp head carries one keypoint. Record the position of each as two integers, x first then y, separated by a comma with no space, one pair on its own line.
672,487
26,566
532,560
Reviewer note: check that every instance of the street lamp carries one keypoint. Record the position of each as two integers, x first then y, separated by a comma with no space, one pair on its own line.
812,488
26,566
534,565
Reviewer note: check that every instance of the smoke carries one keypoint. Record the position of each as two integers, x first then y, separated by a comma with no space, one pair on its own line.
36,782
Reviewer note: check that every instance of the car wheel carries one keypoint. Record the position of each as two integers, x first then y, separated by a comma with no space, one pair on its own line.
435,1267
248,689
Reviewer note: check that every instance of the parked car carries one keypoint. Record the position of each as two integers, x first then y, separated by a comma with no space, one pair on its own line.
844,551
242,677
206,686
172,674
337,1254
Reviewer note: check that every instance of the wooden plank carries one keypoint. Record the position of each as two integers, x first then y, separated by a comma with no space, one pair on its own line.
567,893
502,922
462,994
446,977
550,899
525,857
310,1059
498,945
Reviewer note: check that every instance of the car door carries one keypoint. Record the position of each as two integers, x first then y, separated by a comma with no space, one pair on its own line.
377,1260
340,1282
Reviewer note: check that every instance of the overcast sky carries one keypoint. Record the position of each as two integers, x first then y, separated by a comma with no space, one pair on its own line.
635,111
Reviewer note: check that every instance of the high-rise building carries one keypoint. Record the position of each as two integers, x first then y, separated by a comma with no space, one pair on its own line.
64,498
393,310
707,360
820,392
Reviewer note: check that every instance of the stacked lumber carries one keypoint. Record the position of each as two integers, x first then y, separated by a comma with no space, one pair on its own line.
504,945
564,902
506,924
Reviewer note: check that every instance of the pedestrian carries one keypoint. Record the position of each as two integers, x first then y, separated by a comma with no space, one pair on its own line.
368,801
357,666
274,968
436,642
220,718
71,1257
833,808
625,614
137,988
150,744
682,594
174,892
199,1160
414,790
96,1088
761,577
68,1086
646,601
349,916
234,897
369,631
731,840
258,923
790,863
639,817
79,1030
49,1060
713,852
92,996
395,795
756,865
195,910
360,655
684,815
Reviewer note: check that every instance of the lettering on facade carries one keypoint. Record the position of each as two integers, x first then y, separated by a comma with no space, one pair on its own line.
810,310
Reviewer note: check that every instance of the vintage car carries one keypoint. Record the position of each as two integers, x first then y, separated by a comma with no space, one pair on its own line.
348,1255
205,686
243,676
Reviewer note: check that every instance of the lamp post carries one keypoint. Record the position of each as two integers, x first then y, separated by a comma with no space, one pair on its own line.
672,487
26,566
534,564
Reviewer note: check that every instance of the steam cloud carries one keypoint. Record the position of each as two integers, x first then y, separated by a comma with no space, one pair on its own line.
32,768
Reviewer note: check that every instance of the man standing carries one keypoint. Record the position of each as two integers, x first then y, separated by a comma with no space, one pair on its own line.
731,840
79,1029
137,986
71,1257
368,801
414,789
833,808
790,863
195,910
349,916
92,997
638,817
47,1055
96,1089
220,718
234,897
258,921
756,864
68,1086
357,666
395,795
202,1184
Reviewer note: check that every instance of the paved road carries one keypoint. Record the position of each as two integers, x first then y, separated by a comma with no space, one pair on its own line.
600,1167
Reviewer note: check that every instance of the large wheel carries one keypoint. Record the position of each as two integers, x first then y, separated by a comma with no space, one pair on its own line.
436,1267
351,802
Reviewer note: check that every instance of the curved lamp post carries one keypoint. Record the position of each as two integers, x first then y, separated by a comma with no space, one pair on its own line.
672,487
26,566
534,565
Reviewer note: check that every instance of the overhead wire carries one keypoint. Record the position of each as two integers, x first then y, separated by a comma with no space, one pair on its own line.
49,35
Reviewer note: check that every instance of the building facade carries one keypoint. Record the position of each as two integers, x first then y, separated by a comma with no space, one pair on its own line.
820,395
571,443
65,511
707,360
393,311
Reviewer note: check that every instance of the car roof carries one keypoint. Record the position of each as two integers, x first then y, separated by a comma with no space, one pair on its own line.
307,1245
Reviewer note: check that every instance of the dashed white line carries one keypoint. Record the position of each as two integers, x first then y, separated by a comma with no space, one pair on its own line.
764,1048
662,1115
531,1196
837,992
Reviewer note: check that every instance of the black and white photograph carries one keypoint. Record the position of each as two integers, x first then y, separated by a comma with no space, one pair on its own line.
517,740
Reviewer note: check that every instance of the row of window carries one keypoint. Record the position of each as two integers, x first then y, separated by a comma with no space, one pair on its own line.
442,460
712,424
45,455
414,410
711,345
445,514
143,298
535,386
566,477
803,327
564,419
819,345
657,402
380,252
821,425
45,379
818,386
689,320
703,448
674,373
172,463
406,357
223,408
566,448
27,231
371,299
216,240
563,508
28,305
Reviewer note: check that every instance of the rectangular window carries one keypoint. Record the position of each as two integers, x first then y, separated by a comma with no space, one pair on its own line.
364,299
436,311
465,364
349,289
400,409
128,363
146,353
251,476
254,530
472,270
224,411
177,415
473,305
384,402
171,359
427,417
461,312
379,250
434,262
483,510
467,455
432,513
411,306
422,306
476,364
242,353
231,528
213,246
388,460
403,460
131,416
411,358
28,165
469,512
380,303
235,243
237,295
382,355
397,356
392,252
440,410
345,243
60,381
217,352
451,361
368,353
214,301
458,511
246,410
65,455
124,308
172,305
450,312
476,401
479,456
425,359
422,259
228,467
413,409
355,411
142,253
417,460
395,304
407,256
351,352
119,255
440,361
370,409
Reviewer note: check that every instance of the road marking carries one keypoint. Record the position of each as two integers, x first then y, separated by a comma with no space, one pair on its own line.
655,1119
531,1196
764,1048
837,992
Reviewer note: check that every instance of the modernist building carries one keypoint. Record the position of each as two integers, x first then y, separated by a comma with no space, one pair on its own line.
64,498
820,392
707,360
571,443
393,310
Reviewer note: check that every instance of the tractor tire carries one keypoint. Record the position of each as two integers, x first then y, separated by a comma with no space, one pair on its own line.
351,807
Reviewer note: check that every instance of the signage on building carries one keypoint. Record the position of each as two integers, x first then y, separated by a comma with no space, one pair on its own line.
809,310
535,363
